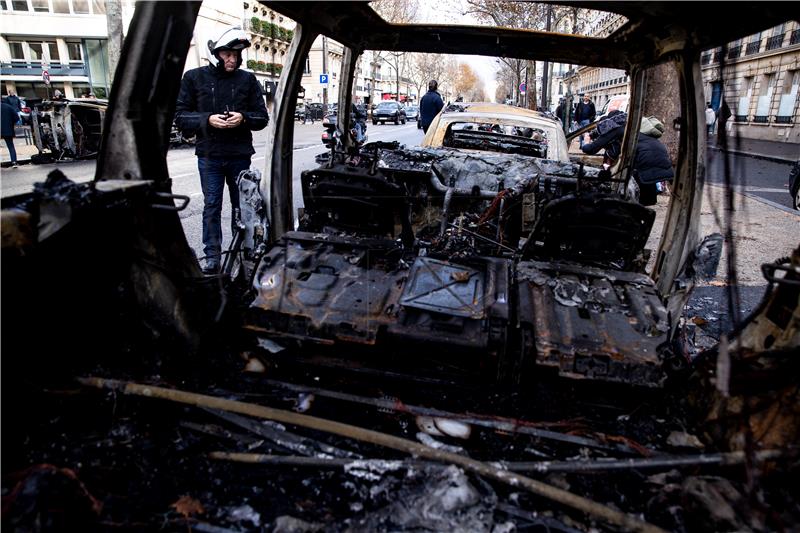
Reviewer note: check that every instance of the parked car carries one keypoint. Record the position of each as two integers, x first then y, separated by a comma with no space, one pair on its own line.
389,111
412,112
310,111
794,185
497,128
25,112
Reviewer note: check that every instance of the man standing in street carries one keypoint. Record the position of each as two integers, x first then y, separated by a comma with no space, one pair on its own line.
222,105
8,119
584,114
430,105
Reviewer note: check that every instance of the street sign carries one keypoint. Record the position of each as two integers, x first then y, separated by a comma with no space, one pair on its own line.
46,77
323,79
522,87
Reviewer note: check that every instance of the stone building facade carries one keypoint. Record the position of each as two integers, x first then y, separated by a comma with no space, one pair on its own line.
761,78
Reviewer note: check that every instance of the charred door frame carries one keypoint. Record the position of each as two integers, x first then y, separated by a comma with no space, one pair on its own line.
279,160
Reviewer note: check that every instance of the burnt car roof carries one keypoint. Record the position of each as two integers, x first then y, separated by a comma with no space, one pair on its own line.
653,30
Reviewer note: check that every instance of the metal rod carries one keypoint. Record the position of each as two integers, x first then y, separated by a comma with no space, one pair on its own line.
496,423
564,497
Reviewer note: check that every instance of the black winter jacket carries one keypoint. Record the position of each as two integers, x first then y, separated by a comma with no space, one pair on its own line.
8,117
206,91
429,106
652,161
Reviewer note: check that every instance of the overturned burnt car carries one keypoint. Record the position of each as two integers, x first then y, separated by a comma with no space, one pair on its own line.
67,129
489,306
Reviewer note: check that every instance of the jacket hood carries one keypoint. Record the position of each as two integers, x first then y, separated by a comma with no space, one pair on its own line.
652,127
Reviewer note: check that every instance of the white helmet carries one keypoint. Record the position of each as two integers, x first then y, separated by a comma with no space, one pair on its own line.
230,39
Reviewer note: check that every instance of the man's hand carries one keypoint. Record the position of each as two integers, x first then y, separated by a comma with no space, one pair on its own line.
222,122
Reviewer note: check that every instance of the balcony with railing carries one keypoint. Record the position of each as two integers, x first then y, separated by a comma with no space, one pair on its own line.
760,119
783,119
795,37
752,48
775,42
34,68
734,52
740,118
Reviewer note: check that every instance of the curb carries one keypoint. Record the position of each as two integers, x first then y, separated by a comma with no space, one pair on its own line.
773,158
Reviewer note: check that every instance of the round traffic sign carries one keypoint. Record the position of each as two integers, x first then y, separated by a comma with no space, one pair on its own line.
46,77
522,87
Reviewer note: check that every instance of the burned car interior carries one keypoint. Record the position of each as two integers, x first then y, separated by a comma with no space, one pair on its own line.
477,277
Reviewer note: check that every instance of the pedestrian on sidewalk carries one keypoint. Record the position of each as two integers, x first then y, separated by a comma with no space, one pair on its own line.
8,119
13,100
584,114
724,115
223,105
711,118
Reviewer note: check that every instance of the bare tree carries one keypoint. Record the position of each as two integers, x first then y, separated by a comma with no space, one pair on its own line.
426,67
396,12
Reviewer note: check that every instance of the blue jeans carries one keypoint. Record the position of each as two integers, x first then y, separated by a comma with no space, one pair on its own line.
12,151
582,123
214,173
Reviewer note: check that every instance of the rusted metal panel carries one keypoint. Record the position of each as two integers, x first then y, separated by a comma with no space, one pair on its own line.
443,287
325,288
592,323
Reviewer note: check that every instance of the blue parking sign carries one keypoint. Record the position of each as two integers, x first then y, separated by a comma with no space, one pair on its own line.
323,79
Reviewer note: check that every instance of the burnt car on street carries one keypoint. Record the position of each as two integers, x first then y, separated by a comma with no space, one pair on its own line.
474,334
67,129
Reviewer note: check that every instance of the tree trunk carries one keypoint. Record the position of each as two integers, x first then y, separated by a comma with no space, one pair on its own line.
114,21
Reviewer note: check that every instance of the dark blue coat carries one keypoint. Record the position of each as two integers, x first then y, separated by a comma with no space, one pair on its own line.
206,91
652,162
8,117
429,107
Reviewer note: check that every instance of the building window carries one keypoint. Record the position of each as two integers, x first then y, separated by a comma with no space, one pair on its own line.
80,7
99,7
41,6
16,51
61,6
75,51
791,82
743,107
19,5
36,51
307,68
765,95
52,51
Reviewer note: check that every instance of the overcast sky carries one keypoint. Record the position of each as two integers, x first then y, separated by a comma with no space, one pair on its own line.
453,12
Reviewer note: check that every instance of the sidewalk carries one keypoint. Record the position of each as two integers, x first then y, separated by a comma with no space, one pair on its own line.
780,152
23,143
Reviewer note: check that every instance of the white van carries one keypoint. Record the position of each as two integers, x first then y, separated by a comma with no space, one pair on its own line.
616,102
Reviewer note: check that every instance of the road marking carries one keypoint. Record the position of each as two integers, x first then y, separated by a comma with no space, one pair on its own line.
749,194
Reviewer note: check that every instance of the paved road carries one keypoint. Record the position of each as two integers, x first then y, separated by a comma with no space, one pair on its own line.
182,166
759,179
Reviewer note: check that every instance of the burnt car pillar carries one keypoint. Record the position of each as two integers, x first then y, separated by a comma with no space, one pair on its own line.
281,135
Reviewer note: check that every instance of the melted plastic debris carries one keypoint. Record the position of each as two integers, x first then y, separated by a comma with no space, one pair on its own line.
437,499
372,470
440,427
245,514
427,440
